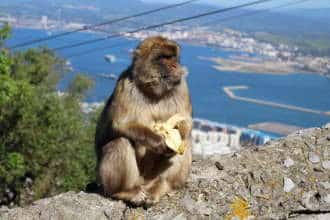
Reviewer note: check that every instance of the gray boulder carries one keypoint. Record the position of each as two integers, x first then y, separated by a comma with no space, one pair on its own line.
256,183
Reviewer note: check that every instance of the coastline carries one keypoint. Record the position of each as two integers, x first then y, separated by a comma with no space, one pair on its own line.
276,59
209,83
249,66
256,65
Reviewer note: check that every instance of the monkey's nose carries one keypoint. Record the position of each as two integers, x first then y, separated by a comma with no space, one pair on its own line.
174,65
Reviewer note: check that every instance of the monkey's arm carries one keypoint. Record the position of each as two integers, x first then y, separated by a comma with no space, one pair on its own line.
143,135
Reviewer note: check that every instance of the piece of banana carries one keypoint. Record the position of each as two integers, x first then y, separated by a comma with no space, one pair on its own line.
172,136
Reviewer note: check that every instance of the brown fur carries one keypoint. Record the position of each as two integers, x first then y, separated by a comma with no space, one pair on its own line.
134,163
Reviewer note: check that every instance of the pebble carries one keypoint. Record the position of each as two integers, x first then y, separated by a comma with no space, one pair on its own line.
326,199
28,181
326,185
194,207
219,165
4,208
313,157
180,217
10,195
288,162
326,164
306,199
288,184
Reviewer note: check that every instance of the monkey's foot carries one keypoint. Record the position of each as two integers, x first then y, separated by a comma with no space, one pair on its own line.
150,201
139,198
136,197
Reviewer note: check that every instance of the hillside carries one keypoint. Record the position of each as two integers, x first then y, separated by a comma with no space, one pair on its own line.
287,178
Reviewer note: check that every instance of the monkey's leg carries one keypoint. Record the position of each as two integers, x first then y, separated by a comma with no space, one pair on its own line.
119,173
173,177
156,189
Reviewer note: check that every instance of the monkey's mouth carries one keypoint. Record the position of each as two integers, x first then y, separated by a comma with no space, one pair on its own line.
174,75
175,79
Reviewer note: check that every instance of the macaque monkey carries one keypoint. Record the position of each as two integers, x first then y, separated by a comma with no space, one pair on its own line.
134,163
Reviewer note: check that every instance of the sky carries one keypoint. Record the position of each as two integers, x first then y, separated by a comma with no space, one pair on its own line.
306,5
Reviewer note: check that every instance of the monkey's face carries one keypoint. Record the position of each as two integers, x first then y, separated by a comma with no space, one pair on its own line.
157,66
168,64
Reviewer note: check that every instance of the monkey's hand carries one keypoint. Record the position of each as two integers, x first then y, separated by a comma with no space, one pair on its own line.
184,128
181,122
156,143
146,137
172,137
142,135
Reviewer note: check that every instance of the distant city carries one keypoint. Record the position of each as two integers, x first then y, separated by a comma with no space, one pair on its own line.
280,58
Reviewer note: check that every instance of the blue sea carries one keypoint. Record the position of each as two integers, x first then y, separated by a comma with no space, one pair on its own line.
205,82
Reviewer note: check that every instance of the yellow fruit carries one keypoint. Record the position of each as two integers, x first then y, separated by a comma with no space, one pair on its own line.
172,136
173,140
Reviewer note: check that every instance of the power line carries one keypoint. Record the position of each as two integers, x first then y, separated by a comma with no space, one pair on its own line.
96,49
206,23
163,24
87,27
254,12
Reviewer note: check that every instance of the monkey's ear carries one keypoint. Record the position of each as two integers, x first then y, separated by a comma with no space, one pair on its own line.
136,53
178,51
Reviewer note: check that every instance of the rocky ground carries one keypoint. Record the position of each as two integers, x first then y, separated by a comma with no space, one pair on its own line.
285,179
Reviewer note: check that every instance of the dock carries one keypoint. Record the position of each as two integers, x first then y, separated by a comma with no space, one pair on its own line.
229,91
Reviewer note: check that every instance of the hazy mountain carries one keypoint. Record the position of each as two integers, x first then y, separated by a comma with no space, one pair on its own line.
309,28
289,22
280,22
319,14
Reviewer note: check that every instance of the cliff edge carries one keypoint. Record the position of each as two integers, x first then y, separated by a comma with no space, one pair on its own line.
286,178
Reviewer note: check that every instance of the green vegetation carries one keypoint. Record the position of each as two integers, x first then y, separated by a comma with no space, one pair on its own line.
312,44
46,142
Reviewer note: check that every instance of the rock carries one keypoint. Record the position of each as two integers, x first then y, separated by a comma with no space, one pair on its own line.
312,217
313,157
3,209
196,207
326,185
69,205
189,204
326,199
288,184
219,165
288,162
169,216
259,178
326,164
307,200
180,217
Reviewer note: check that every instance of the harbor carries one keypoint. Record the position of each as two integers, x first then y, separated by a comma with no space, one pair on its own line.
275,127
229,91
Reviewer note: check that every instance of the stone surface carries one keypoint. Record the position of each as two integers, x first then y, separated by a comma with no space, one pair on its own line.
327,199
326,185
288,184
254,175
326,164
288,162
313,157
68,206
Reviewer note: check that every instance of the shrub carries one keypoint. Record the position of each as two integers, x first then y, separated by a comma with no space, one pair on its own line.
46,142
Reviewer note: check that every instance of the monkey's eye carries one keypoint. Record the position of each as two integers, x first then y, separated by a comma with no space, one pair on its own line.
165,57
